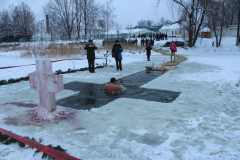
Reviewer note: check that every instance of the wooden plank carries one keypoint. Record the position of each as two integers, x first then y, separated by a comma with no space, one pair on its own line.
159,67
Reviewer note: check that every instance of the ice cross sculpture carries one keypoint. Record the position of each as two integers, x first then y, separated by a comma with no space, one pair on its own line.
46,83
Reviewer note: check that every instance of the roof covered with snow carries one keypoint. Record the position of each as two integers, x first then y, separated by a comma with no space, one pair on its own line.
173,26
206,29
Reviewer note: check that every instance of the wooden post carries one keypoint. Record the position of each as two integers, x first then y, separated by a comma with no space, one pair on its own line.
163,67
153,67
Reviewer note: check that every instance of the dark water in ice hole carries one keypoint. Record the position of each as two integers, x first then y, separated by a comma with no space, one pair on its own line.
91,95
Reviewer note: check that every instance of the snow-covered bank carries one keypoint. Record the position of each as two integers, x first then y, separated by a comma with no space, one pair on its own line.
222,62
202,123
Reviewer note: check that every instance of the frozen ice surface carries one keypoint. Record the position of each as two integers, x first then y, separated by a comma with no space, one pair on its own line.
202,123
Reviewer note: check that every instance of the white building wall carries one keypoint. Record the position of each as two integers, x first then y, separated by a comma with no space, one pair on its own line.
174,32
227,32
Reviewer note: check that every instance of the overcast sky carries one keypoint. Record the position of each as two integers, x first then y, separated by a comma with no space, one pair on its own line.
127,11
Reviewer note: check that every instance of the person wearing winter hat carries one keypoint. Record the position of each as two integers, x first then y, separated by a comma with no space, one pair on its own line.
148,48
115,54
90,47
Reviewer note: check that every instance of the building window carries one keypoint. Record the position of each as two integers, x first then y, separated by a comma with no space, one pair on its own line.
175,32
172,32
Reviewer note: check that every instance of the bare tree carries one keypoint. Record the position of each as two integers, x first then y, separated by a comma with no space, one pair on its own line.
40,29
79,16
91,15
94,17
217,18
194,12
15,30
149,23
163,22
235,7
129,28
24,20
5,24
118,27
145,23
142,23
232,12
108,15
102,24
87,8
63,12
1,26
238,36
73,15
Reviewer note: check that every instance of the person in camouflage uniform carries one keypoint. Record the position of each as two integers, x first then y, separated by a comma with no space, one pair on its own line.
90,47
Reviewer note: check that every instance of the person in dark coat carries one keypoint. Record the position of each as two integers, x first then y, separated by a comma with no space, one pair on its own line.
148,48
152,42
90,47
115,54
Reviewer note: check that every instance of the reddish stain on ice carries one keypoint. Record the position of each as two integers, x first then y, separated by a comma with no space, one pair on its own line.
22,104
12,121
40,117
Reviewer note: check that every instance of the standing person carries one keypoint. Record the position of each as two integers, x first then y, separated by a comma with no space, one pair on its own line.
90,47
148,48
115,54
173,49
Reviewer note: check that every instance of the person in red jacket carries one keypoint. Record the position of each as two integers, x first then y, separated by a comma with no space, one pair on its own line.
173,49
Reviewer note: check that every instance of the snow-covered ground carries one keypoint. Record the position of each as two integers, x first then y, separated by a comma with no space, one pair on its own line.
202,123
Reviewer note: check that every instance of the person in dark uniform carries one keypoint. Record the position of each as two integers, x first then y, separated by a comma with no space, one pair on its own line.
90,47
115,54
148,48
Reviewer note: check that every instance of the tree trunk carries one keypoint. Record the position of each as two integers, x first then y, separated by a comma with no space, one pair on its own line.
220,37
190,43
69,35
190,32
238,38
215,32
198,29
78,28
